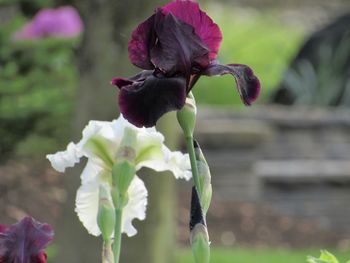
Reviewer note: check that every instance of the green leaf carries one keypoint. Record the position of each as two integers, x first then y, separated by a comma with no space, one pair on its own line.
325,257
311,259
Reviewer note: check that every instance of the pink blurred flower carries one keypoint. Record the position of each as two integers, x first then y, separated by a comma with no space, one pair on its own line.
63,22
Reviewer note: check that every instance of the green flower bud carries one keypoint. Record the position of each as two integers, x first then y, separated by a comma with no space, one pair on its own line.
106,213
123,172
204,178
199,237
187,116
200,244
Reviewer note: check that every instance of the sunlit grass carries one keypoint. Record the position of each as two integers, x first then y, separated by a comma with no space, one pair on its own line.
246,255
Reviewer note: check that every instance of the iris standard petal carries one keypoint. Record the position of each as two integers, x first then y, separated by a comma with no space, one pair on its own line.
144,102
25,241
96,135
190,13
248,84
142,38
177,48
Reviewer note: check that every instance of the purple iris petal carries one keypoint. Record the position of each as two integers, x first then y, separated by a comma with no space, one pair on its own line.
143,101
2,228
248,84
168,44
190,13
142,38
24,242
178,49
61,22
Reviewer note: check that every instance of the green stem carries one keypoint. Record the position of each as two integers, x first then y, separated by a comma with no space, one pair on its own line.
191,152
117,235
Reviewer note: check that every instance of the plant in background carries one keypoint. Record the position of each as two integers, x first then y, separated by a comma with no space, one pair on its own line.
33,117
24,242
111,194
175,46
325,82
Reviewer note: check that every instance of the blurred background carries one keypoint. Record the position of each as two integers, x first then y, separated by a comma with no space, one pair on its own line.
280,169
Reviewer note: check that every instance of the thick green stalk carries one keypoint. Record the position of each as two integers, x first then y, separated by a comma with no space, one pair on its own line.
117,235
191,152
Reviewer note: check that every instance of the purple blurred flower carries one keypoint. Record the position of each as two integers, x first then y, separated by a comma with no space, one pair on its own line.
63,22
24,242
175,46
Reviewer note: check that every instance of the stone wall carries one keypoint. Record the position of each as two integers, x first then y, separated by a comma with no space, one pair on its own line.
297,160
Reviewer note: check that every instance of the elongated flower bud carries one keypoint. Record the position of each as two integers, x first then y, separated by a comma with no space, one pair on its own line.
199,237
187,116
204,178
106,213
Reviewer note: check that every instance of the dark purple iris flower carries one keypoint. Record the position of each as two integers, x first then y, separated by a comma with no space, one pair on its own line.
24,242
175,46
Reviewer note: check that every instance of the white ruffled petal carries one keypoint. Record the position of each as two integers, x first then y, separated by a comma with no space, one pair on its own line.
136,207
176,162
86,205
68,158
179,164
106,131
87,199
91,172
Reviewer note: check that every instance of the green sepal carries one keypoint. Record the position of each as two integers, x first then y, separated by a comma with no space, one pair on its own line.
187,116
200,244
120,200
106,213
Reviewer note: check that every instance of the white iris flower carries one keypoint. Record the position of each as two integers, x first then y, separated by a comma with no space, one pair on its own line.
150,152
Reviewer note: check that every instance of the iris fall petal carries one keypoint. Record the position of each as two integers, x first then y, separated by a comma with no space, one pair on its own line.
248,84
143,102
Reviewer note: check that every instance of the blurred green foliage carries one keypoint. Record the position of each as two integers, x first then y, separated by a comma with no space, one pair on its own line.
37,87
251,255
261,40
